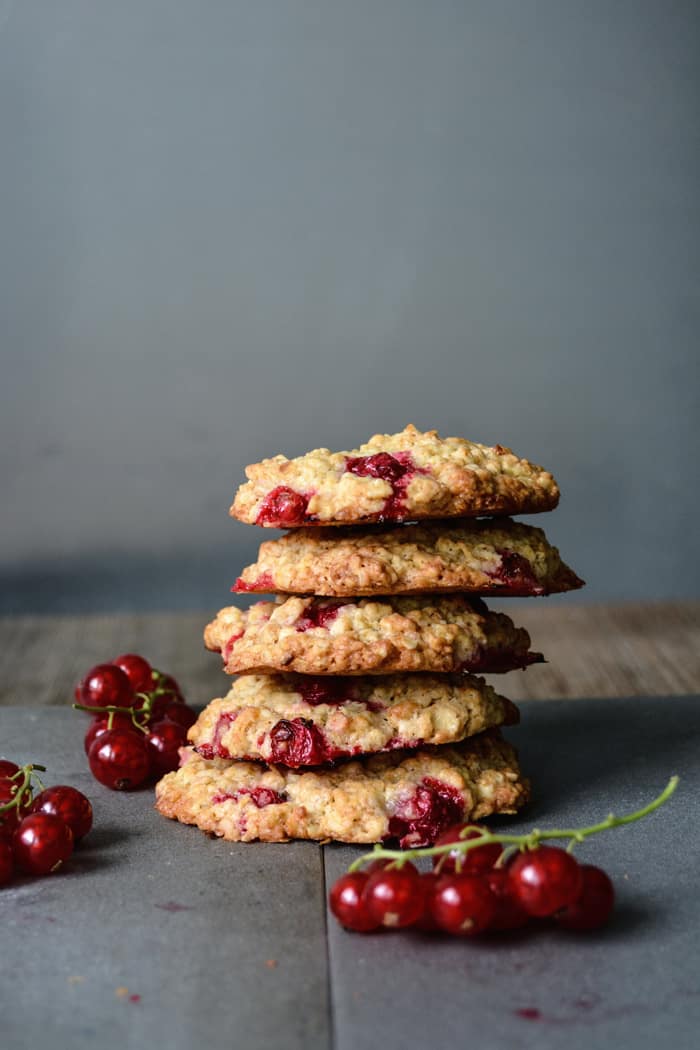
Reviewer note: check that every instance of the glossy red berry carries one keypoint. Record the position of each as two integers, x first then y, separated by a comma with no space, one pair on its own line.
462,904
426,921
509,913
7,769
170,684
69,804
394,896
42,843
181,714
594,903
119,759
163,742
348,904
545,880
101,725
106,685
7,862
481,858
137,670
377,865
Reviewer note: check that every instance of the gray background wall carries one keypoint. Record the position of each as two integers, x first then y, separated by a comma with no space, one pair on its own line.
236,228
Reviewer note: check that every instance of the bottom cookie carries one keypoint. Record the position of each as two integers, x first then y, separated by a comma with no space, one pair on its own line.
408,797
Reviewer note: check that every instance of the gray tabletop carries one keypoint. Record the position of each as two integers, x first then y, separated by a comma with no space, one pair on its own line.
156,933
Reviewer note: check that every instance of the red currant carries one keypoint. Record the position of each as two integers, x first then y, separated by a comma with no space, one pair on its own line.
594,904
426,922
7,769
376,865
394,896
347,903
7,862
545,880
137,670
106,685
119,759
166,681
181,714
164,741
508,915
42,843
462,904
101,725
481,858
69,804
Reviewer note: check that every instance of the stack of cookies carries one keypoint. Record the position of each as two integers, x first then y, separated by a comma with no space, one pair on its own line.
357,715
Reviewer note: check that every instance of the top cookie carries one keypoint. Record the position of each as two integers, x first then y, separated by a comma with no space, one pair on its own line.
489,557
408,476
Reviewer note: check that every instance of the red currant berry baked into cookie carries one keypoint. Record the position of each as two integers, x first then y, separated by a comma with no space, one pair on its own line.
408,476
318,636
408,798
499,557
300,720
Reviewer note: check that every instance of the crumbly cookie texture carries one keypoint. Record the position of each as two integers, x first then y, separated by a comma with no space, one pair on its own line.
301,720
410,797
408,476
500,557
320,636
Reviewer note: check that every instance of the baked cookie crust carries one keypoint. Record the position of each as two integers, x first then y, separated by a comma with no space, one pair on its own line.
301,720
318,636
410,798
409,476
497,557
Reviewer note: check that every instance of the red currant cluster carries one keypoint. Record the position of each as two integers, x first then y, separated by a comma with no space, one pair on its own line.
141,721
467,894
37,832
482,881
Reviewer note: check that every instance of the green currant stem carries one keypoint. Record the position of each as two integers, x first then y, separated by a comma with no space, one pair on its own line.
522,842
24,788
111,710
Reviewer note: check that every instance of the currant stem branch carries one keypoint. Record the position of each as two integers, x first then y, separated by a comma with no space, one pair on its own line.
25,787
522,842
139,716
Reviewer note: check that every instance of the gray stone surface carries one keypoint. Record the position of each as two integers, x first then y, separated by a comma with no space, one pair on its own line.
634,985
222,943
189,924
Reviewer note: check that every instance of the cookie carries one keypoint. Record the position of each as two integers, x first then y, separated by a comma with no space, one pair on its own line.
300,720
408,476
406,797
498,557
320,636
